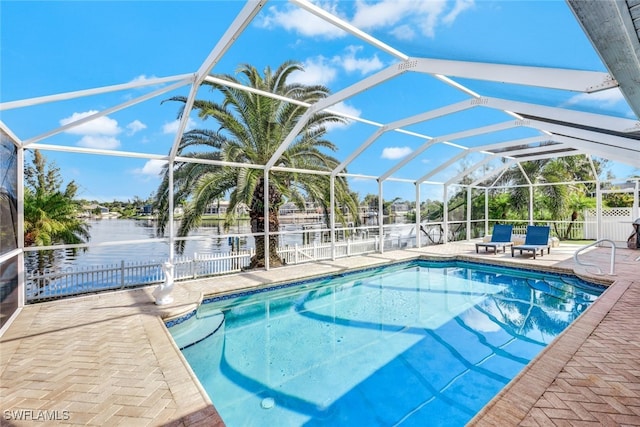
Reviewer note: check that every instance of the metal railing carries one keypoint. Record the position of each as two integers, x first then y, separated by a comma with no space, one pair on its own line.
585,264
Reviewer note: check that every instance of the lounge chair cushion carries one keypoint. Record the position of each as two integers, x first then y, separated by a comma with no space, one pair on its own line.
501,238
536,240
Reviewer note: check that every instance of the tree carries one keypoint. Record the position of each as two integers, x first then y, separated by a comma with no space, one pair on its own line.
251,128
557,199
577,203
50,214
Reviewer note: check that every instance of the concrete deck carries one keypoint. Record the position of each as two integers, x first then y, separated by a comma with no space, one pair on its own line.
108,360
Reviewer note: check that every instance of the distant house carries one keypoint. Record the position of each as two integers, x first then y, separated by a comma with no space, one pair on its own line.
291,208
221,207
94,209
217,208
400,208
145,210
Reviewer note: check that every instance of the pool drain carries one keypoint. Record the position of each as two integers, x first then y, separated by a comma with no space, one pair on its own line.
267,403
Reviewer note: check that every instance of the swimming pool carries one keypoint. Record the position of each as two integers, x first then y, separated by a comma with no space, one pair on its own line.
416,343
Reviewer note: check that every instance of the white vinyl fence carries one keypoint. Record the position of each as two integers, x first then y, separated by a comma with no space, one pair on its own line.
616,224
60,283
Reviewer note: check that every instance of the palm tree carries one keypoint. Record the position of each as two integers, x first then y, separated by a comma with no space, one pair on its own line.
50,214
578,202
51,218
553,202
251,128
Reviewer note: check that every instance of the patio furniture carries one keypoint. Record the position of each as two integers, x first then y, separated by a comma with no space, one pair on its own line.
537,239
501,238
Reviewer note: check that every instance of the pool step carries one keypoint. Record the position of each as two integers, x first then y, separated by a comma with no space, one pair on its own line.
205,323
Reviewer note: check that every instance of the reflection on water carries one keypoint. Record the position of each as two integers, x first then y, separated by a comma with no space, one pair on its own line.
415,344
120,230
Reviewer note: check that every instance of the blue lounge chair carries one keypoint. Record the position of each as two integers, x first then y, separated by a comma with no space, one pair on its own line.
501,238
537,239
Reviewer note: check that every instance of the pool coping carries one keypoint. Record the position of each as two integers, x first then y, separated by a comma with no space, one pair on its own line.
512,404
40,331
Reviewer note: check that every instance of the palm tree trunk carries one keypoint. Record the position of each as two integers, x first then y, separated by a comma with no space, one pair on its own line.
574,217
256,214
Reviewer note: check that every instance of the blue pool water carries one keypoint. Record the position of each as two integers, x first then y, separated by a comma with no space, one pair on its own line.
414,344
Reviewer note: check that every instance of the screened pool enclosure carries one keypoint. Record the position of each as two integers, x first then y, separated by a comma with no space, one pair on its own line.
433,101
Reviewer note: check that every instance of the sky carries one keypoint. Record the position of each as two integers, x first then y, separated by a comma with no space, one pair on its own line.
55,47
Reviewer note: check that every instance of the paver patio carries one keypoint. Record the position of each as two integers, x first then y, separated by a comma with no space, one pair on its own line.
107,359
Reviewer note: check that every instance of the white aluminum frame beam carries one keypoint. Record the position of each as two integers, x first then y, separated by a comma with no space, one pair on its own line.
105,112
99,152
244,18
610,143
451,137
485,149
418,118
499,169
469,170
337,22
577,152
29,102
493,172
552,78
488,148
532,151
13,137
623,155
618,124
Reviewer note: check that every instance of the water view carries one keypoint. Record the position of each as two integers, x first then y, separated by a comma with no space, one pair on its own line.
210,242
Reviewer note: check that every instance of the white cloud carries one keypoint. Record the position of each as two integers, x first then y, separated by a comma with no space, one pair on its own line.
403,32
135,127
400,16
459,7
382,14
317,70
350,63
320,70
102,142
403,19
302,22
394,153
172,127
142,78
152,167
343,108
605,98
99,126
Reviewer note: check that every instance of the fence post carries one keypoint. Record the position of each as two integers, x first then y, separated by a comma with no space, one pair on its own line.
122,274
348,247
194,265
315,251
295,254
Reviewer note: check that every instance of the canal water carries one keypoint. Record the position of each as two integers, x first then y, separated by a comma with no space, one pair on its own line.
207,240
